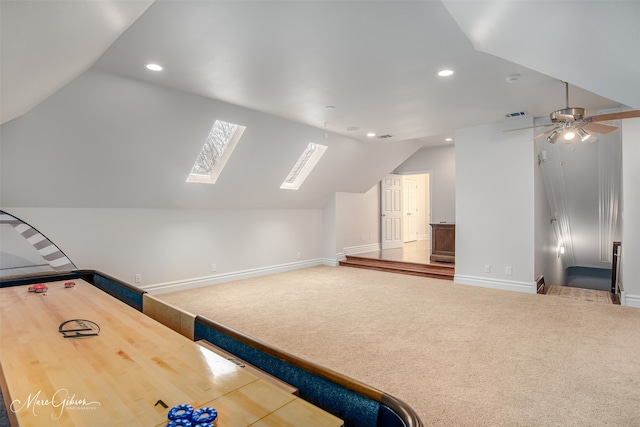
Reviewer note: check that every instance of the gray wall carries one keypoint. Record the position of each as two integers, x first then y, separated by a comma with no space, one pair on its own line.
547,261
631,211
358,220
495,212
177,247
440,163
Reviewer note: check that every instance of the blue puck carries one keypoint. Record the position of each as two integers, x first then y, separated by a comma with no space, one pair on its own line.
204,415
181,412
180,423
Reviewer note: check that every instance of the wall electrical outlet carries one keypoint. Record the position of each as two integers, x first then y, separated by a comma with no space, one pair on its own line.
138,278
487,268
214,268
508,270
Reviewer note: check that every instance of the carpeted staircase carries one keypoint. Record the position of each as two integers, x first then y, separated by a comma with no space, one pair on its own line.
438,271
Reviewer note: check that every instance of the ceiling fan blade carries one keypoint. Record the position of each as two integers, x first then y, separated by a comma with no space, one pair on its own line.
616,116
530,127
599,128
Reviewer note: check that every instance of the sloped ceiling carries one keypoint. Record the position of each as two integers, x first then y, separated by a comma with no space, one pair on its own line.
374,61
46,44
591,44
275,64
106,141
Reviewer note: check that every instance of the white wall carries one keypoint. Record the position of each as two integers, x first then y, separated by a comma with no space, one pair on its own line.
495,210
175,248
329,232
440,163
631,211
358,221
547,261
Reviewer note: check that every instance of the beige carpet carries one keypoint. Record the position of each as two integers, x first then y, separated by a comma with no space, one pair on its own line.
459,355
599,297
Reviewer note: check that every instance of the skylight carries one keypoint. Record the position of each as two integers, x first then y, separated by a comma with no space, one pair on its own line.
217,149
303,167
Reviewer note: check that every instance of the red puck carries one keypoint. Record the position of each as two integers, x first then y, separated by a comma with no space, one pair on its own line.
40,287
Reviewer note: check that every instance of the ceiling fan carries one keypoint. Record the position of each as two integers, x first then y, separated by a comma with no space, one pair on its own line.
572,122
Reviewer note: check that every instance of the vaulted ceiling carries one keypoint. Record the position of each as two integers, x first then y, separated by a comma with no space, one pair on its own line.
73,72
374,61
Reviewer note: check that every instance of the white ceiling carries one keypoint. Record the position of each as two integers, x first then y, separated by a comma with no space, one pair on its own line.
46,44
591,44
376,62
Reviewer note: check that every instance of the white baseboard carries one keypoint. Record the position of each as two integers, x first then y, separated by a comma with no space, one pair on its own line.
199,282
629,300
505,285
332,262
361,249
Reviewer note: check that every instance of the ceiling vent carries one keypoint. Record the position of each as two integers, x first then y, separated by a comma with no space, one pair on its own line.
384,136
516,114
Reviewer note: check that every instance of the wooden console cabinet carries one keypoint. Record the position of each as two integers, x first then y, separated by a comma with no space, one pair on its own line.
443,242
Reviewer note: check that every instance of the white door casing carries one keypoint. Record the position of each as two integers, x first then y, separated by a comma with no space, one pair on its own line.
410,209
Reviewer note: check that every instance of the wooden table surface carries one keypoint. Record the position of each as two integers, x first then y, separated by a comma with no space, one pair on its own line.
118,376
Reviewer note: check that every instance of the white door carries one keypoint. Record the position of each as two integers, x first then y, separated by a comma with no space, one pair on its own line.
411,214
391,211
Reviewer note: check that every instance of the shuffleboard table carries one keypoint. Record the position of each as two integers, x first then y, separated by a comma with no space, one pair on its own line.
75,356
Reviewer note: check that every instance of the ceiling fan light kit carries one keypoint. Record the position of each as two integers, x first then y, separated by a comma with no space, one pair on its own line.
569,134
572,121
583,134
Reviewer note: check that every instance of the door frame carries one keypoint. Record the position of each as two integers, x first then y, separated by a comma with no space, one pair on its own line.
409,208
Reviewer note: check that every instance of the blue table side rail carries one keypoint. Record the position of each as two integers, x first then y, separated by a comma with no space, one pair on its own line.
356,409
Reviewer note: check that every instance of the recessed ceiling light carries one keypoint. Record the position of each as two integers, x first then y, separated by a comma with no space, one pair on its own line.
448,139
370,134
154,67
329,107
445,73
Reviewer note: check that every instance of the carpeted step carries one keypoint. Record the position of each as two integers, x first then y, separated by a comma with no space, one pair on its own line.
438,271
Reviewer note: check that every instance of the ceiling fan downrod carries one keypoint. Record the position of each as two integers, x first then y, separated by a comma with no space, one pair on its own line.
568,114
